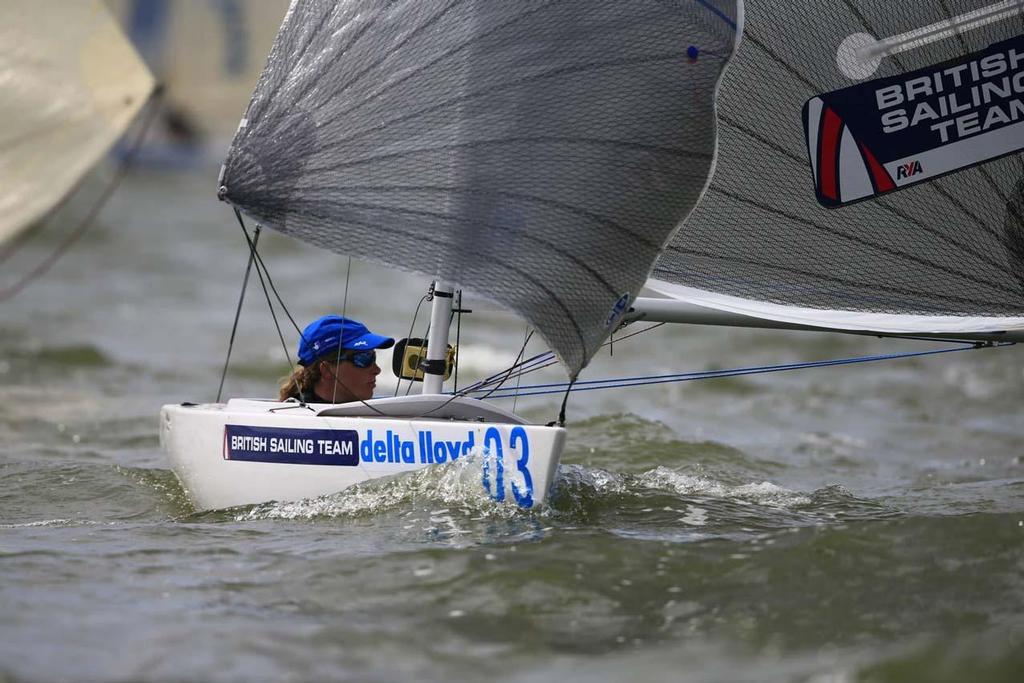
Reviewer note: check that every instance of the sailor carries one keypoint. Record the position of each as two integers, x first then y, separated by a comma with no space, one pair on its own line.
337,362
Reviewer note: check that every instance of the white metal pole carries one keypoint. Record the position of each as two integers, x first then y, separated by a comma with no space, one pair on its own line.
437,346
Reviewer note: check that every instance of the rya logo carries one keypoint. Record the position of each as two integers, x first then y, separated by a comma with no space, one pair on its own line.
908,169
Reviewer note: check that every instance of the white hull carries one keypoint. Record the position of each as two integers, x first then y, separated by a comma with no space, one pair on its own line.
252,451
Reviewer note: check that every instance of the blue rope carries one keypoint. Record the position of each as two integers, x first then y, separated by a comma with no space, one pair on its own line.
591,385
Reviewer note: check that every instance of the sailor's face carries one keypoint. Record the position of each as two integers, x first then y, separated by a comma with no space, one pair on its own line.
351,383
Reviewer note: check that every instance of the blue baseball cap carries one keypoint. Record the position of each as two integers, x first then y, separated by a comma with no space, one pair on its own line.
326,334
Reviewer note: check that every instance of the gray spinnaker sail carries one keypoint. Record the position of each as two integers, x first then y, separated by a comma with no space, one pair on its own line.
538,153
942,255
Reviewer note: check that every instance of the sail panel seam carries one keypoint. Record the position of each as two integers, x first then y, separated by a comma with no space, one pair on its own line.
637,146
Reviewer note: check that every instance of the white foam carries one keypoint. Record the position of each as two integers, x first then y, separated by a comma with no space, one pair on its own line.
47,522
763,493
454,485
604,482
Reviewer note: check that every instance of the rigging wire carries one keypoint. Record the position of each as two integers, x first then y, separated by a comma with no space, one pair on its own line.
545,360
259,273
423,350
341,334
565,401
412,325
463,393
94,210
519,376
537,362
260,265
508,373
238,311
612,383
261,270
458,337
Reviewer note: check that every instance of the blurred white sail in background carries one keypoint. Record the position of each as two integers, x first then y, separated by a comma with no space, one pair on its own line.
207,55
70,83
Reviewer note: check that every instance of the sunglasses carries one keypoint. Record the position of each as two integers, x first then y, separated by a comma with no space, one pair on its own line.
361,359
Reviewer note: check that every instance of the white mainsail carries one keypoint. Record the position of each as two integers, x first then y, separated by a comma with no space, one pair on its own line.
70,84
537,153
930,247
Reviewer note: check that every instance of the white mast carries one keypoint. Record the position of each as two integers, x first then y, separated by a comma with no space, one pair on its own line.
437,345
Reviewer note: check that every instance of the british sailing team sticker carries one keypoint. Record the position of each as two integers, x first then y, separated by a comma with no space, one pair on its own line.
293,446
891,133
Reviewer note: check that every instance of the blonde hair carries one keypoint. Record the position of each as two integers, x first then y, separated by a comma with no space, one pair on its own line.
301,381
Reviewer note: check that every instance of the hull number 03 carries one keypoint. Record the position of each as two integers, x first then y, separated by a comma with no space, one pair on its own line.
522,482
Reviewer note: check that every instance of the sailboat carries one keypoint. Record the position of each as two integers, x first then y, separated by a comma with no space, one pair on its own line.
559,157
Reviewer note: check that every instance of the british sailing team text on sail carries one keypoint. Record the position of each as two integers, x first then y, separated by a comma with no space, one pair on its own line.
959,101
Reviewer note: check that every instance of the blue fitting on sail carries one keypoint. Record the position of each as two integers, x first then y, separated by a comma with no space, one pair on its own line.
618,310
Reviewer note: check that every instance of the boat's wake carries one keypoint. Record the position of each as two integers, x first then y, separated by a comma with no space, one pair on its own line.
667,505
455,484
583,482
658,503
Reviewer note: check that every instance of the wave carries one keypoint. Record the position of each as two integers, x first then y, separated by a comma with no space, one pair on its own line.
78,356
41,523
660,502
455,484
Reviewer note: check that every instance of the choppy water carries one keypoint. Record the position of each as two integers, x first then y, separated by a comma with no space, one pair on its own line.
863,523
